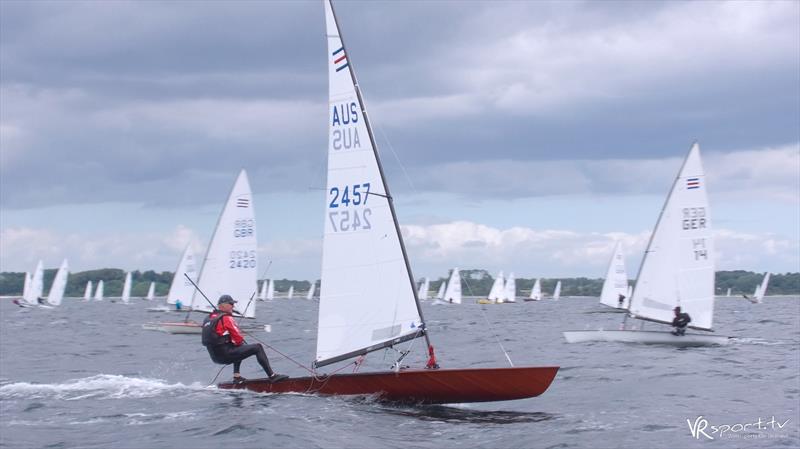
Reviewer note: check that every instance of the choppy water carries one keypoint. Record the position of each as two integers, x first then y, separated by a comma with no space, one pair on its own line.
86,375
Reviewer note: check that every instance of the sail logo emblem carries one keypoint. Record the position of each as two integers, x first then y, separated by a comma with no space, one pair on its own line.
242,202
692,183
340,60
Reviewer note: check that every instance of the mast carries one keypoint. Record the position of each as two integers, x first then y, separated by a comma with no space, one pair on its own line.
423,328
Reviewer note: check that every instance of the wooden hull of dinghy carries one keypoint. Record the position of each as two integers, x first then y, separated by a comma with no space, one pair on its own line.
646,337
442,386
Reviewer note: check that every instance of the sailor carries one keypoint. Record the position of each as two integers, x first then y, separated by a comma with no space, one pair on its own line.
620,300
681,320
178,304
225,343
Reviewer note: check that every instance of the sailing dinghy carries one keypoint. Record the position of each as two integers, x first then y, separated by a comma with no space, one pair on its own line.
126,289
761,290
557,291
368,297
616,283
536,292
496,292
59,285
32,292
677,269
181,289
230,265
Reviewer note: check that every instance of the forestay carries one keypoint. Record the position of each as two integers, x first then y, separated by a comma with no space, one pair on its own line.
616,282
181,288
678,266
230,265
367,298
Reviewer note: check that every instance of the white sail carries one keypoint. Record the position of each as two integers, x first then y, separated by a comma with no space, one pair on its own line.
422,294
262,294
36,288
126,289
151,292
510,289
270,290
180,288
290,293
616,282
27,285
98,293
496,292
557,291
59,285
678,265
230,265
629,294
87,294
442,288
536,291
762,289
368,298
729,292
453,292
311,291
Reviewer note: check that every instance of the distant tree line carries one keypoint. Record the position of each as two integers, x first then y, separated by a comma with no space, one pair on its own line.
474,282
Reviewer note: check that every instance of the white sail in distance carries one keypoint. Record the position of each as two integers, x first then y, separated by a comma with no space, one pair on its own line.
367,298
231,263
27,285
151,291
98,293
510,289
536,291
678,266
59,285
761,290
442,288
557,291
616,282
181,288
496,292
422,294
87,294
126,289
37,285
311,291
262,294
270,290
453,292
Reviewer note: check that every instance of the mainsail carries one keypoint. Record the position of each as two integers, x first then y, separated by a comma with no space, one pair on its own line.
761,290
98,294
59,285
536,291
422,294
616,282
557,291
181,288
126,289
510,289
496,292
231,263
87,294
453,292
678,265
151,291
36,287
368,298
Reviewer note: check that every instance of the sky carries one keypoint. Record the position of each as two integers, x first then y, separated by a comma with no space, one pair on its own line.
516,136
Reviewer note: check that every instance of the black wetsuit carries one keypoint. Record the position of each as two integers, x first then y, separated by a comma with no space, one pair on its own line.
225,352
680,322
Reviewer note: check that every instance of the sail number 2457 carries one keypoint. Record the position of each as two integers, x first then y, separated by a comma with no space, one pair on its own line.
355,195
343,213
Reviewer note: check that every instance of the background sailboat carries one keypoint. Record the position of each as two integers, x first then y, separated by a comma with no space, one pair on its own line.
36,288
761,290
262,293
677,269
453,293
59,285
616,282
98,293
536,292
87,294
363,246
290,293
270,290
510,289
557,291
180,289
495,292
422,294
311,291
126,289
151,292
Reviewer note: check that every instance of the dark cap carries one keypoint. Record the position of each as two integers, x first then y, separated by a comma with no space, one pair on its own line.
677,309
226,299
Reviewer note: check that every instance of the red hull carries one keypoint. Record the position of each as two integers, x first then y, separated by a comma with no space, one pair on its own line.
441,386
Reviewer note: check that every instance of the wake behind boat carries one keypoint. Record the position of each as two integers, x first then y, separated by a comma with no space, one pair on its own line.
362,245
677,269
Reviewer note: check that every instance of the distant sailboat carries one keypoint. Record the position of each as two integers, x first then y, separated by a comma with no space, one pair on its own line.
151,292
615,286
423,289
59,285
452,294
290,293
510,289
34,293
311,291
557,291
270,290
126,289
180,289
87,294
230,265
496,292
363,246
677,269
442,288
27,285
262,293
98,293
536,292
729,292
761,290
